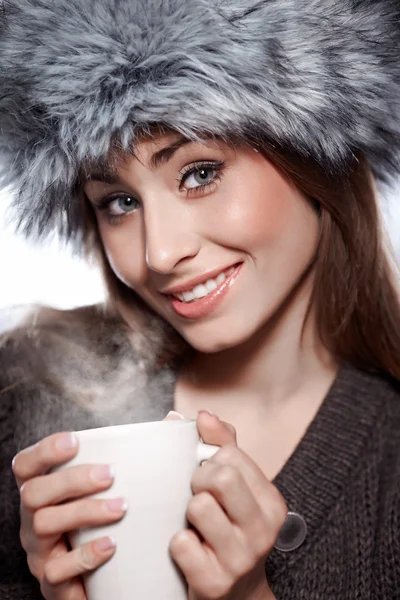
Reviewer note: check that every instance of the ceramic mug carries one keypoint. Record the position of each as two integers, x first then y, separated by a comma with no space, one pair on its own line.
154,463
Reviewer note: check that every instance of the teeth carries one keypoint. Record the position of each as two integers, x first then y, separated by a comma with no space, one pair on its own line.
200,291
203,289
188,296
211,285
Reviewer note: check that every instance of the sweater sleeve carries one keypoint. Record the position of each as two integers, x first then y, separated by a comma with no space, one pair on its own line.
16,581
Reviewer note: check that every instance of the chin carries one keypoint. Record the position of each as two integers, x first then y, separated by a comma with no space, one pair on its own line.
212,344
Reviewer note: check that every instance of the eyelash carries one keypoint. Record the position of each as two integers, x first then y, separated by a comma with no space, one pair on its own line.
104,203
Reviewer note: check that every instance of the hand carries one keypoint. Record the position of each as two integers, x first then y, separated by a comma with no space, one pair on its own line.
53,504
237,514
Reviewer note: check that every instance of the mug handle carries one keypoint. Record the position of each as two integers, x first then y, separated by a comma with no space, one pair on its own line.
206,451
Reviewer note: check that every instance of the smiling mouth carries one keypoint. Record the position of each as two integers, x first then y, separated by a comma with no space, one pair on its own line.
203,289
203,302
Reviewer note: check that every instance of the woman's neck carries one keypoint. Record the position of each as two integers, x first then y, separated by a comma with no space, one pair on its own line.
284,360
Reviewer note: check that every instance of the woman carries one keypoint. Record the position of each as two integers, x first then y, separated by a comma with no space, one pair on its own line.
219,160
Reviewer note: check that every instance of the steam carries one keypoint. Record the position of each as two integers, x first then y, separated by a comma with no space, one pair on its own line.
79,369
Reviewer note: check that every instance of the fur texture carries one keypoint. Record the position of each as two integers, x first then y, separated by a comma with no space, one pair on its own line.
322,76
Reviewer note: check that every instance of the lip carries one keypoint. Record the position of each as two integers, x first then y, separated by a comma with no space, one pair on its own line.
206,305
191,283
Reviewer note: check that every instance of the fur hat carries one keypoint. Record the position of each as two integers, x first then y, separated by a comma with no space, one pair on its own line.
319,76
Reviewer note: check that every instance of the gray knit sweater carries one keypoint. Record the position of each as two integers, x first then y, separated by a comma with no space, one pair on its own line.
343,478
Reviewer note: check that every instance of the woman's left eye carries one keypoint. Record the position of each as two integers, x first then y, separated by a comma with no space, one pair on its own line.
201,176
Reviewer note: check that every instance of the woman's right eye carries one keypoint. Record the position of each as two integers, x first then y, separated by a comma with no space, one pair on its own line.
119,205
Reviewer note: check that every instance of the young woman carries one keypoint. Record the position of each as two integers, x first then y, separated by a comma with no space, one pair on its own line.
219,160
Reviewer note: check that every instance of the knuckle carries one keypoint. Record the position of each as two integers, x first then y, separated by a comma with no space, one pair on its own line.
199,505
23,538
263,542
79,514
16,465
87,558
40,523
282,516
241,566
231,428
69,482
281,512
278,506
51,574
33,565
227,479
227,453
26,495
41,452
219,588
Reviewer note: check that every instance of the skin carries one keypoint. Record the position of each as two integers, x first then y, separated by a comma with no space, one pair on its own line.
259,369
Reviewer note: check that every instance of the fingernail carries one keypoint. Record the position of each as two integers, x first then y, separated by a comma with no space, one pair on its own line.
173,413
67,442
210,412
104,544
102,473
117,505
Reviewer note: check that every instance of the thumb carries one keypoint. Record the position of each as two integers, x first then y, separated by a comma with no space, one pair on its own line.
214,431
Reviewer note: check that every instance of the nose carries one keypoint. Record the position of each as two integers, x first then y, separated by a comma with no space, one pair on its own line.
170,237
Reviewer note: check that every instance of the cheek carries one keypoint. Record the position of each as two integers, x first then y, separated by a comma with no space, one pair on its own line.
265,214
124,251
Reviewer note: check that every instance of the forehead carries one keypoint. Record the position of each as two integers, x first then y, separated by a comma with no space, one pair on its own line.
155,150
117,156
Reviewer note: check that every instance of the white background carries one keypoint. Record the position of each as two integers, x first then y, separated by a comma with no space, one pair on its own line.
46,273
50,274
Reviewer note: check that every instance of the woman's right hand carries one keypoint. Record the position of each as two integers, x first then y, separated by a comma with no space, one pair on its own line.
53,504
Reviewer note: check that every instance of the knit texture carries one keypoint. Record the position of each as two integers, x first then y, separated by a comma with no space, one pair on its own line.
318,76
343,478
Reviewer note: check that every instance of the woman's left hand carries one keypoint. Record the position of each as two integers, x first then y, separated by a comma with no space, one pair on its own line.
237,514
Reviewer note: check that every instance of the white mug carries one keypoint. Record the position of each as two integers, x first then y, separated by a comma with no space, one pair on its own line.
154,463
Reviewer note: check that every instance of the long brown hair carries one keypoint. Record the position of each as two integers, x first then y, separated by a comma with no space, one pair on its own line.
356,292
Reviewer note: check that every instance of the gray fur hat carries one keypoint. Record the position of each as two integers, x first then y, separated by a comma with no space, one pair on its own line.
319,76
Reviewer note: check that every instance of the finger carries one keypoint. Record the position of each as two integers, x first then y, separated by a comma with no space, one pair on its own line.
39,554
56,520
214,431
49,452
228,487
77,562
70,590
268,497
195,559
62,485
213,524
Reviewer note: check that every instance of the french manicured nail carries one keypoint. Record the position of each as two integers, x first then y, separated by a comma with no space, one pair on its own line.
173,413
210,412
67,442
117,505
105,544
102,473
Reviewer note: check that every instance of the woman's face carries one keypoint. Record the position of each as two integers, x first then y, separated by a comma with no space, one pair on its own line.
212,238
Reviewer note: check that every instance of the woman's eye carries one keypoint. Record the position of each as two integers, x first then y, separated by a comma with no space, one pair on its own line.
121,205
201,176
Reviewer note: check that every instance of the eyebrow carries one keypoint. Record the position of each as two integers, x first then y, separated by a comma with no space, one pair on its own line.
159,158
